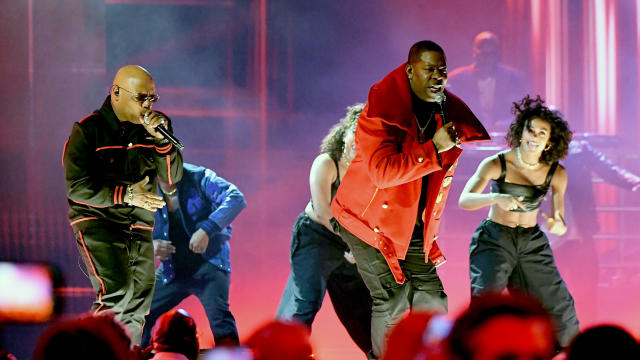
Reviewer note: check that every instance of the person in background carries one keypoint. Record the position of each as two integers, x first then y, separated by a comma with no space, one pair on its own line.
191,237
100,337
174,337
497,326
415,337
488,86
318,255
604,342
280,340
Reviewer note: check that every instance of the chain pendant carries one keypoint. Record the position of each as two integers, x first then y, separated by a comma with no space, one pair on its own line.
421,136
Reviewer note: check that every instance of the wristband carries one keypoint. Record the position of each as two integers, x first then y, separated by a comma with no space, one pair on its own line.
169,193
129,193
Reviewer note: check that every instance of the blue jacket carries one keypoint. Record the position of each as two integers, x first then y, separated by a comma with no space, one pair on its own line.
207,202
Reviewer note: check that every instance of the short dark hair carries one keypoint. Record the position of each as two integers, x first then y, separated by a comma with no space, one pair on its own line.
560,137
604,341
175,331
421,46
485,308
100,336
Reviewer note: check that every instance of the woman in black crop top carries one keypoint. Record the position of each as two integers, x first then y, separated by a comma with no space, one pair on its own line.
508,249
318,255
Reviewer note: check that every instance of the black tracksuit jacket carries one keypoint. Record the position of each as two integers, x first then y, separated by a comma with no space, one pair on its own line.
101,157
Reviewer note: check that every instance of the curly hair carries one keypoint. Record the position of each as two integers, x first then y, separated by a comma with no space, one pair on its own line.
333,143
527,109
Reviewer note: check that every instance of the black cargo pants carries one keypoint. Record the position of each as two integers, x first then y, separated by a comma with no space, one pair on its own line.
521,259
422,289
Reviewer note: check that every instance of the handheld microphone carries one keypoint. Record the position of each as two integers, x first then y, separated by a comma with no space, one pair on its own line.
169,136
441,99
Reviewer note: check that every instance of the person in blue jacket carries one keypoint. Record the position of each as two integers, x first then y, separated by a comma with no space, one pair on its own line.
191,237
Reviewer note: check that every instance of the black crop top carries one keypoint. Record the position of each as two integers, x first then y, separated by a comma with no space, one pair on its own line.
533,194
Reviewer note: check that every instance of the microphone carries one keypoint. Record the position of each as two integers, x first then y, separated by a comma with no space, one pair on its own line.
441,99
169,136
163,130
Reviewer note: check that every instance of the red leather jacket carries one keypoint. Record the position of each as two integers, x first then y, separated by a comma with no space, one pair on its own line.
378,197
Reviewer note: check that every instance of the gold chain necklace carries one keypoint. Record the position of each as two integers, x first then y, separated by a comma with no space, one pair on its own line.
421,129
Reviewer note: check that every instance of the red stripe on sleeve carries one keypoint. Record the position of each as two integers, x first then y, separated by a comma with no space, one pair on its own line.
82,203
168,157
83,219
110,147
164,150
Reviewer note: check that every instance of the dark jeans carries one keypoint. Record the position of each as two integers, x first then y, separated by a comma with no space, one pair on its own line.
421,291
521,259
318,265
120,266
211,286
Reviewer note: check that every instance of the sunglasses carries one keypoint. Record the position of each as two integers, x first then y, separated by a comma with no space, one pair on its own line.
140,97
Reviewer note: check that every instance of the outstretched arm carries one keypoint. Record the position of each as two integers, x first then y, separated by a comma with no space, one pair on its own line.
606,169
472,197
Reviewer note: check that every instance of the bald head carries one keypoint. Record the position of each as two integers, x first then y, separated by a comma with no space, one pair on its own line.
486,50
131,72
130,85
486,37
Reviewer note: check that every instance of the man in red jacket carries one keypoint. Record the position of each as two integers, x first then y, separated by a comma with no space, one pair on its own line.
389,202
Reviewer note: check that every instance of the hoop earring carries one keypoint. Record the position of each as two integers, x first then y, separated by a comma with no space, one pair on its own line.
546,148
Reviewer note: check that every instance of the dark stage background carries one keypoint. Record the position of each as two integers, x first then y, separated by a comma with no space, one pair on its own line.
254,85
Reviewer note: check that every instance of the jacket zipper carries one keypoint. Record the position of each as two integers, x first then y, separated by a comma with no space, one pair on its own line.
370,201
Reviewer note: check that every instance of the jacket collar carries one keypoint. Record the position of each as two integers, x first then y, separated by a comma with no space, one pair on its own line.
107,111
390,100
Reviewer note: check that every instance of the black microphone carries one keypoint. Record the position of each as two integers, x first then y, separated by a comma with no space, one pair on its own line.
441,99
169,136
